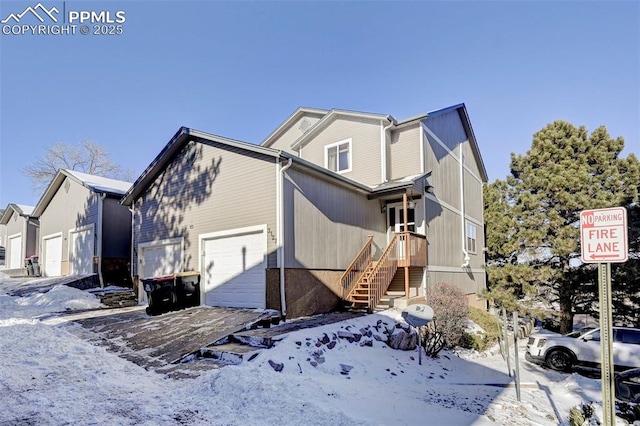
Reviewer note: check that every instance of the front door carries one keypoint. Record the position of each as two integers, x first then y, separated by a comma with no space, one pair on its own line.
395,218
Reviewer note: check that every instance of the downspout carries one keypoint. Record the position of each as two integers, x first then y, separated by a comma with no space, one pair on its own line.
383,149
462,214
280,236
100,240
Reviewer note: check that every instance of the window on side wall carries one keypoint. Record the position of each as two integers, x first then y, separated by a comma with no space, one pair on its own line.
337,156
471,237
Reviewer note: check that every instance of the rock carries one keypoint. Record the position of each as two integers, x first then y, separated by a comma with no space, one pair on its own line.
315,364
378,338
276,365
325,339
357,337
345,334
367,343
346,368
403,340
331,345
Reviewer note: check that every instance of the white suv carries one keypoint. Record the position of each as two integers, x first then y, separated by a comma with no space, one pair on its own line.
562,352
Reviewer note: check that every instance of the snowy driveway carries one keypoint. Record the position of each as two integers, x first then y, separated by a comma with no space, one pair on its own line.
160,342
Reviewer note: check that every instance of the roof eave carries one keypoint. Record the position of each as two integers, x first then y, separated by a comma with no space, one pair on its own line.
320,124
268,141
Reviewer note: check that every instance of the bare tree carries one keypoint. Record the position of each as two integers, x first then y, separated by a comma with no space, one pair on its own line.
86,157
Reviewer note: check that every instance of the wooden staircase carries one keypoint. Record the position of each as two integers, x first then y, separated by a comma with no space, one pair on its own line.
365,290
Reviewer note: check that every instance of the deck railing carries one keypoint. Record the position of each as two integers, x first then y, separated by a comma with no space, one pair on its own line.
413,244
383,273
357,267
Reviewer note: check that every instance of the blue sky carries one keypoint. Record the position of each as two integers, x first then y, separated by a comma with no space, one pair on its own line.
238,69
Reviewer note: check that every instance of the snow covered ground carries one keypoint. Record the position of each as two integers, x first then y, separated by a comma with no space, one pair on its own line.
50,376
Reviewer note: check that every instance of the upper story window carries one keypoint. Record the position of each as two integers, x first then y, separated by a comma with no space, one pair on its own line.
471,237
337,156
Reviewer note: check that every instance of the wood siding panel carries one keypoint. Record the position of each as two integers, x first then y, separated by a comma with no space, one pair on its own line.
469,283
71,207
404,152
365,146
290,135
325,225
208,188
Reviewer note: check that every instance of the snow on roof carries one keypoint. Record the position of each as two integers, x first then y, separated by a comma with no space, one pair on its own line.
26,209
102,184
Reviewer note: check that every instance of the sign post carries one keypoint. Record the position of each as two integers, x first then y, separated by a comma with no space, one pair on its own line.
603,237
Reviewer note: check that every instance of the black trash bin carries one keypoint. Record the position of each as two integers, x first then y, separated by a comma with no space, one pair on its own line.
161,293
188,289
35,265
28,266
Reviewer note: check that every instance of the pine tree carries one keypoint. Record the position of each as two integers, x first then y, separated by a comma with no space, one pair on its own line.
565,171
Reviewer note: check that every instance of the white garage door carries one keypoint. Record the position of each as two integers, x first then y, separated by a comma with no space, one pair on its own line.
233,270
160,259
15,252
53,256
81,248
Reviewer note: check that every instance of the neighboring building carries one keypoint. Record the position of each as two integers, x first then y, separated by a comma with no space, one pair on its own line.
83,227
286,225
18,235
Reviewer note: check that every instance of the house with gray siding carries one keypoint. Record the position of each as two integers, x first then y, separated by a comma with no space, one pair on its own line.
427,173
18,236
333,207
83,228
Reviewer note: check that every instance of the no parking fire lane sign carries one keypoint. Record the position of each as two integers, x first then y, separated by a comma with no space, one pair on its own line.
604,235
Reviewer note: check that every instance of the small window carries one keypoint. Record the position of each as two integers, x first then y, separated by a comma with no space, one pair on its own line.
471,237
337,156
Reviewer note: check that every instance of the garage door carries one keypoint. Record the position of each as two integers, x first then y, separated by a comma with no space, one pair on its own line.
15,252
81,246
233,269
160,259
53,256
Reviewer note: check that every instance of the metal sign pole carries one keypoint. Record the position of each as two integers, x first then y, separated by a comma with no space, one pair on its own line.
606,345
506,338
515,351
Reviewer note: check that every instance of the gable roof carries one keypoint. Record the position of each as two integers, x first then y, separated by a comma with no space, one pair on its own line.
466,124
184,135
97,184
20,209
297,114
330,116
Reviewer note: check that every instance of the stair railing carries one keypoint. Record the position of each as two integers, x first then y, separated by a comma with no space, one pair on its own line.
383,273
350,278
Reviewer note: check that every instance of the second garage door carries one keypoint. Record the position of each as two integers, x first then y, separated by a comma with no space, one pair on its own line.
52,256
15,252
81,247
161,258
233,268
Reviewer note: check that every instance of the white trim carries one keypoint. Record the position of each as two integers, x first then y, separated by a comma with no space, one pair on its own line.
224,234
155,243
232,232
337,144
451,153
436,268
8,247
43,260
91,226
453,209
475,236
422,155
